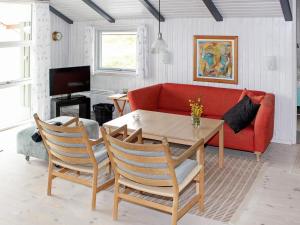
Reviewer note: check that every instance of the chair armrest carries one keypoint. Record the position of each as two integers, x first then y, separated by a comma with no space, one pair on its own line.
188,153
264,123
71,121
122,129
137,134
95,142
145,98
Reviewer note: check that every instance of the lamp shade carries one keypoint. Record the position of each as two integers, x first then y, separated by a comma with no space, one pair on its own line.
159,45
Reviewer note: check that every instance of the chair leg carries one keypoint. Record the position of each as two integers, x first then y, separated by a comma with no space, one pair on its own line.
116,198
258,154
200,190
201,178
94,189
175,209
50,177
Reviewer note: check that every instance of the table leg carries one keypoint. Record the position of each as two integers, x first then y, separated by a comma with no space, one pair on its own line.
116,103
120,109
200,188
123,107
221,146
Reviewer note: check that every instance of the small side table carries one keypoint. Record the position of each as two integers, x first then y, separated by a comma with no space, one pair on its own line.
119,101
81,100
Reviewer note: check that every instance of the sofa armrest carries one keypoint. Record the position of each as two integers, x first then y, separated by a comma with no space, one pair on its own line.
145,98
264,123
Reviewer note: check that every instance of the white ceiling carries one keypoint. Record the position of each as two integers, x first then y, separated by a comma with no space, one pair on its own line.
77,10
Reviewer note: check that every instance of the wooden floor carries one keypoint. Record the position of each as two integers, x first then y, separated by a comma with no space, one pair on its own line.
273,200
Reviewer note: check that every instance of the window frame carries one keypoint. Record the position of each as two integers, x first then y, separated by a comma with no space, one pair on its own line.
98,54
25,44
27,79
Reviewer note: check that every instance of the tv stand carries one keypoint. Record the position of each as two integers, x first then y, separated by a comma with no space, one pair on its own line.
81,100
70,97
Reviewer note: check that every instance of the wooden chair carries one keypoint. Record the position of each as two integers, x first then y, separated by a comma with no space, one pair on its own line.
70,148
150,168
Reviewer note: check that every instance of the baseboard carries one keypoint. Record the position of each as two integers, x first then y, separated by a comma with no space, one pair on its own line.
278,141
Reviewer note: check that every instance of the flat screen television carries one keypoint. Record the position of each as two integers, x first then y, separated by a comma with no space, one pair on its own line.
70,80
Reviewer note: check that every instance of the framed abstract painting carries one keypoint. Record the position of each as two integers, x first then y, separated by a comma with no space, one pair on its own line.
216,59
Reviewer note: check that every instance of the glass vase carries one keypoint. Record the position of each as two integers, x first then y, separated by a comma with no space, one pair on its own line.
196,121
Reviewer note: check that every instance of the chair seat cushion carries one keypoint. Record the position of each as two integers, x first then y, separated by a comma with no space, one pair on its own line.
183,170
100,152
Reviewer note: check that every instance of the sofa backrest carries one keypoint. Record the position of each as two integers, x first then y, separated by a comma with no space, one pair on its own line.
145,98
216,101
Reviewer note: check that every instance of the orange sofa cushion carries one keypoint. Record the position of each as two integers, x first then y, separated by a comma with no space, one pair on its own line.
216,101
244,140
145,98
254,98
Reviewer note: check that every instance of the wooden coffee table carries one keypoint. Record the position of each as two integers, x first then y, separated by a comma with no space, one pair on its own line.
176,128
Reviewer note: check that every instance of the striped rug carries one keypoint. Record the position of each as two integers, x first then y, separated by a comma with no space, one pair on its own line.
225,189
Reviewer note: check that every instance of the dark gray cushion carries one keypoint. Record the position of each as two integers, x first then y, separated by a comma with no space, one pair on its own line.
241,115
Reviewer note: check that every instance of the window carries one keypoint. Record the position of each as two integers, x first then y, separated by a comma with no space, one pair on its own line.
116,51
14,63
15,42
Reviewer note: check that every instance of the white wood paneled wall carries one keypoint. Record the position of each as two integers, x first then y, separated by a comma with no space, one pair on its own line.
258,38
298,38
60,49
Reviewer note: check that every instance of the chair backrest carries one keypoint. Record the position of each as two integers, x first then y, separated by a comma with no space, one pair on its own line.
147,164
68,144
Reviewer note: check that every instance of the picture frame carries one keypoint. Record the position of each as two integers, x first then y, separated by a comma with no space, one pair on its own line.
216,59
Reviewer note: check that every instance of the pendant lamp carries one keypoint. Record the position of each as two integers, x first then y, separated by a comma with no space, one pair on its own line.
159,45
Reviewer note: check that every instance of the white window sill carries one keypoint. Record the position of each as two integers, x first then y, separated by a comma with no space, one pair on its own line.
13,83
115,73
14,125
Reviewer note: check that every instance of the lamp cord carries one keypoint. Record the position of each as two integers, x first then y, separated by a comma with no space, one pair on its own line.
159,16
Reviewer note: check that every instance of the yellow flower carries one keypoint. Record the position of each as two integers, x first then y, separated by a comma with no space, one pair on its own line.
196,108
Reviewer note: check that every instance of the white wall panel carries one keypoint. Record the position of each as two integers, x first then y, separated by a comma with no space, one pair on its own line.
258,38
60,49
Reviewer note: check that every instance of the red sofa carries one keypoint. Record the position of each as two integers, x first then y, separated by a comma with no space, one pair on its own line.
173,98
